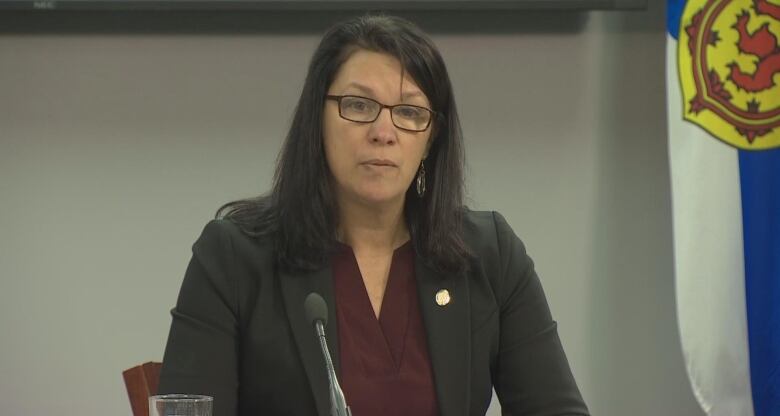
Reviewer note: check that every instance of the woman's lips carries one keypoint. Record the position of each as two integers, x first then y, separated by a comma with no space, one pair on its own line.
380,163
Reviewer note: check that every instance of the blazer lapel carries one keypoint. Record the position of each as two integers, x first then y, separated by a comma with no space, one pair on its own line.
449,336
295,287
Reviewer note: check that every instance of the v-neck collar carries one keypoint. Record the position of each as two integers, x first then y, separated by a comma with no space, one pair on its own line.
346,250
387,333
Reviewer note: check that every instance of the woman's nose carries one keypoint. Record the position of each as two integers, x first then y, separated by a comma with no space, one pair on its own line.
382,129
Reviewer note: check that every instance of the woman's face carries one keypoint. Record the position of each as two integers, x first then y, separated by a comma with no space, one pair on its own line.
373,163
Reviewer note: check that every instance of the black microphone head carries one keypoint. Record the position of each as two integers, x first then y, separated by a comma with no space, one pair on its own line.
316,308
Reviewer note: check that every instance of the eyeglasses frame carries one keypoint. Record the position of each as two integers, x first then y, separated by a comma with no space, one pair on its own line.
382,106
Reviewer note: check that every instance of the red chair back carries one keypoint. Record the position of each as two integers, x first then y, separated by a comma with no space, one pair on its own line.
142,381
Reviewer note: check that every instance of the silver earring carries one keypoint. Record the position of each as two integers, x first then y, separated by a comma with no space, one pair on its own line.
421,180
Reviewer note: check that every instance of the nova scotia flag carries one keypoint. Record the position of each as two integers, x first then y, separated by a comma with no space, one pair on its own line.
723,82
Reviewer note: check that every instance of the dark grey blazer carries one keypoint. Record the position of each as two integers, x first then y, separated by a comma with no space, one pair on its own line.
239,332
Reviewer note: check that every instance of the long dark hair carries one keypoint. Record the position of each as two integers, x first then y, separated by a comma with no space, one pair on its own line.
300,211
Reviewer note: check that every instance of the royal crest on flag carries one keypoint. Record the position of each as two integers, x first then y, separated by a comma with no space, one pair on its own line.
728,61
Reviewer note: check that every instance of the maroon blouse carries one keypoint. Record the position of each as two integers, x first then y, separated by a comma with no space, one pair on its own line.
384,364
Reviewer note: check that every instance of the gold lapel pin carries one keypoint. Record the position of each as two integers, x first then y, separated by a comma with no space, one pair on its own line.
443,297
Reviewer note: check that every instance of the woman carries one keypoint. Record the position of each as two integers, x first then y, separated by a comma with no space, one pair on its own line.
430,304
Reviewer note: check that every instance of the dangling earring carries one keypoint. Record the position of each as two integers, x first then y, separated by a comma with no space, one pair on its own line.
421,180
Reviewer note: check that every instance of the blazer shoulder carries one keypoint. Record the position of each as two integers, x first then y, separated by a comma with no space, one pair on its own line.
235,263
487,233
218,229
229,252
225,234
498,252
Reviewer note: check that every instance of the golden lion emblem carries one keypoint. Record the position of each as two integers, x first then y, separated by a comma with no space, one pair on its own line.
729,68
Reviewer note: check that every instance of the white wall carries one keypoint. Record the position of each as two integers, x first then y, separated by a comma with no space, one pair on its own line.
116,148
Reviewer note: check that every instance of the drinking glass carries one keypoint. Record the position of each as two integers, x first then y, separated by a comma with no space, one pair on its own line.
180,405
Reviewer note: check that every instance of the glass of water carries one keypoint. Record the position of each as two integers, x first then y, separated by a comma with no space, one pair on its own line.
180,405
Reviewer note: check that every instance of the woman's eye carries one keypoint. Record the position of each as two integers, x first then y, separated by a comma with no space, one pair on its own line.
357,105
409,112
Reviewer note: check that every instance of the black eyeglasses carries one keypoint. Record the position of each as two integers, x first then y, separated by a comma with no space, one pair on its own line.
365,110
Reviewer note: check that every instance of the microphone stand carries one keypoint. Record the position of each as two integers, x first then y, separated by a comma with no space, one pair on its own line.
338,405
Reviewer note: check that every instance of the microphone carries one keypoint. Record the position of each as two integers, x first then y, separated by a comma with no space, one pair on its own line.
317,314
